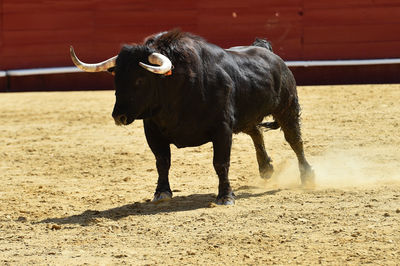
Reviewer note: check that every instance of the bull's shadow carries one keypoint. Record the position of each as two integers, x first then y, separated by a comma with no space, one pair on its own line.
176,204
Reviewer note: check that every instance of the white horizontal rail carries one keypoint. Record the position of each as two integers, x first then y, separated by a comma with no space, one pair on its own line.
42,71
66,70
363,62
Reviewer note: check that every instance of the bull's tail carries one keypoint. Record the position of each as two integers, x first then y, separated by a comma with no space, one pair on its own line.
262,43
270,125
266,44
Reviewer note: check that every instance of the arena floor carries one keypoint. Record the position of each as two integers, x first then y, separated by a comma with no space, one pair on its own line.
75,188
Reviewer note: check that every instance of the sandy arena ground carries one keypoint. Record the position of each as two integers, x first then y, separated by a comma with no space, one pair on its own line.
75,188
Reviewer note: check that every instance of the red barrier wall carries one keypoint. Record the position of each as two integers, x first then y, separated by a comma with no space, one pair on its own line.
38,33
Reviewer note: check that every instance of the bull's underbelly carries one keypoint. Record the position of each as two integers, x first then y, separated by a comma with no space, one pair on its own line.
187,135
184,144
197,128
189,140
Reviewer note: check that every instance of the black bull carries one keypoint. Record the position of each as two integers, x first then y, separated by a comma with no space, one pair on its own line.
210,94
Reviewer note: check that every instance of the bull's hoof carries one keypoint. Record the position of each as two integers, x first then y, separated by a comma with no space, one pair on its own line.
308,179
162,196
226,200
266,172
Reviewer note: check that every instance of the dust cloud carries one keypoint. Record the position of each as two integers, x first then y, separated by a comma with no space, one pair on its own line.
335,169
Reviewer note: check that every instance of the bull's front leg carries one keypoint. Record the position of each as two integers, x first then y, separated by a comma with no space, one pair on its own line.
222,144
163,163
162,152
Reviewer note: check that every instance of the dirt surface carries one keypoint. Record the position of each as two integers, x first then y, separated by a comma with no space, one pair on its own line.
75,188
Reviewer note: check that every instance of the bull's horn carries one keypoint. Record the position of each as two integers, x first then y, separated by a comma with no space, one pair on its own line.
164,64
102,66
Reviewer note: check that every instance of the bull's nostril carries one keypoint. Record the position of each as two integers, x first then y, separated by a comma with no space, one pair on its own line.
120,119
123,119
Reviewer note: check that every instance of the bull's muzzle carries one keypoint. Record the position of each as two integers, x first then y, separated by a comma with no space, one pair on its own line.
120,120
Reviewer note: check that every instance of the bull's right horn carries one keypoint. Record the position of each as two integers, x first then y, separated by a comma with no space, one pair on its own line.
163,62
99,67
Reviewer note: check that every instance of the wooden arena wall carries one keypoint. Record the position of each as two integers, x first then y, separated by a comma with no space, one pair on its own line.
37,34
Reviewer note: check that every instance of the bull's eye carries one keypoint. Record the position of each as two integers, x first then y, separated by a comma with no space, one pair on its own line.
140,82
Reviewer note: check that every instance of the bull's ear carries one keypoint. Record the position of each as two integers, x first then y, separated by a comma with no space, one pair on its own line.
111,70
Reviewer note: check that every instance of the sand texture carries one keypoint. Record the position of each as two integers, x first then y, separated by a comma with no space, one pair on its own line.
75,189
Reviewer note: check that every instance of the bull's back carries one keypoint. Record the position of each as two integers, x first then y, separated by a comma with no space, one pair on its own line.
259,82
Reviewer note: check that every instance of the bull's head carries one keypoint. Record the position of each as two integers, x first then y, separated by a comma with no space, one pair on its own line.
134,80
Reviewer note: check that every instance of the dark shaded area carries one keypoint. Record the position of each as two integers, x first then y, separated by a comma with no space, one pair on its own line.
176,204
345,75
58,82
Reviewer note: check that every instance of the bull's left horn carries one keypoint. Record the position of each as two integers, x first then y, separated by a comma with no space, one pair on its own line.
99,67
164,64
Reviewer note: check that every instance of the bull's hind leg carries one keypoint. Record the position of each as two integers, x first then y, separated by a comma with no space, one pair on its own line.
264,161
289,121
